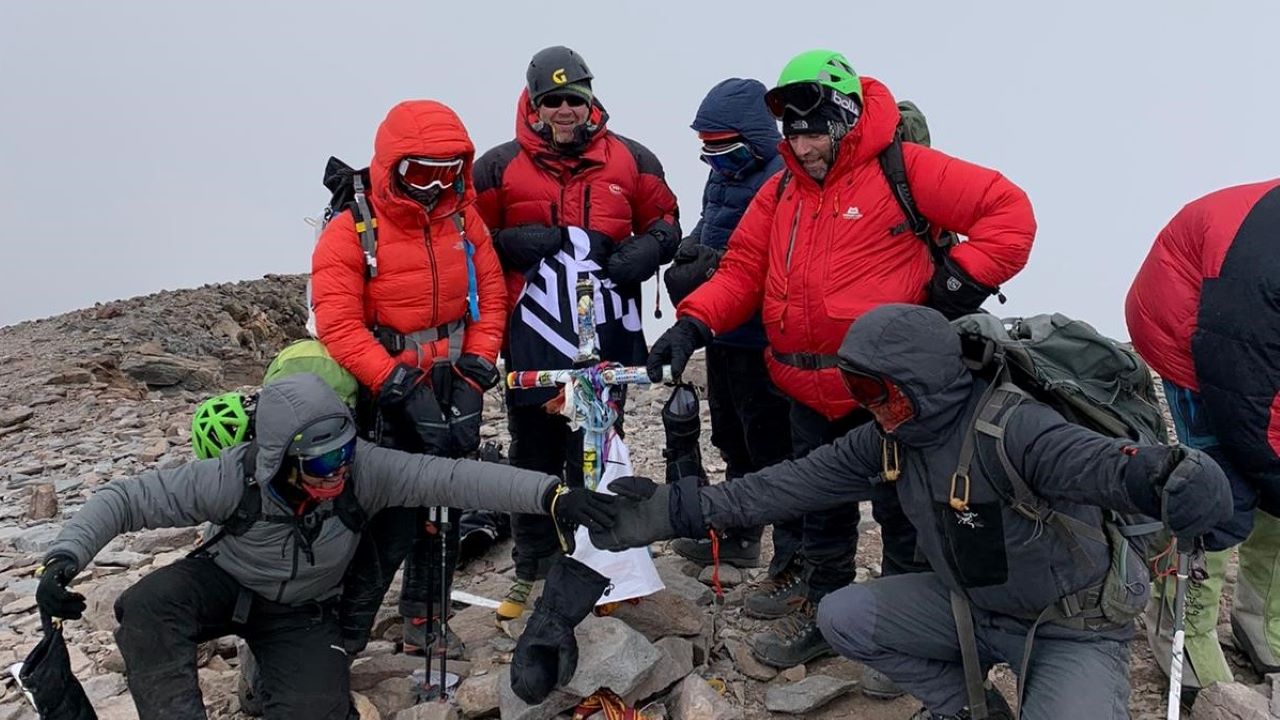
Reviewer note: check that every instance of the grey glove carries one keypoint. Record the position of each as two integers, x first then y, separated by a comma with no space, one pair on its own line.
1196,496
648,512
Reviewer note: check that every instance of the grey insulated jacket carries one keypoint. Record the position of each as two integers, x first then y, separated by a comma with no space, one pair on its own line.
268,559
999,559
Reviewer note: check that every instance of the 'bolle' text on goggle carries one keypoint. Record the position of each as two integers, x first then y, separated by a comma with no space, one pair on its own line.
428,174
330,463
805,97
730,158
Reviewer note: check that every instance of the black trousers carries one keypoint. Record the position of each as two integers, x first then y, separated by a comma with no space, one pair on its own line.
750,418
828,540
303,669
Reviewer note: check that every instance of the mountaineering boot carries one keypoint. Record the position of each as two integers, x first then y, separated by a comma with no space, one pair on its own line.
795,641
733,551
778,595
1205,662
513,602
997,709
1255,614
877,685
247,682
419,632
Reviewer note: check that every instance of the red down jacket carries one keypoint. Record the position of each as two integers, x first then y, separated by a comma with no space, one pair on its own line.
615,185
816,258
422,266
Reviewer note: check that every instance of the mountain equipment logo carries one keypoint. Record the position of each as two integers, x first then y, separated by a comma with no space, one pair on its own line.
853,213
953,283
558,76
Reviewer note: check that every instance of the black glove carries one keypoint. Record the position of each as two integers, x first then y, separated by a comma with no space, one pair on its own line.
693,265
1196,496
634,260
650,512
408,400
52,595
479,371
953,293
676,346
546,655
571,507
521,247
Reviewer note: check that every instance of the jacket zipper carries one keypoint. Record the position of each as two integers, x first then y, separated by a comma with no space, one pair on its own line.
435,279
292,573
555,215
586,207
791,246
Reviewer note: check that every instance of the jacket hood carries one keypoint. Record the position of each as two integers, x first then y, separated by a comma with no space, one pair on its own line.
737,105
286,407
869,137
917,349
424,128
538,144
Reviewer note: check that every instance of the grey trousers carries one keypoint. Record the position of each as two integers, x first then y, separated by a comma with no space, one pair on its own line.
902,626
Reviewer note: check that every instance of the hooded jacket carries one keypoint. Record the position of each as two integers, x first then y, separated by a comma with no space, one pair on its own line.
814,258
1202,312
1001,560
269,558
736,105
422,265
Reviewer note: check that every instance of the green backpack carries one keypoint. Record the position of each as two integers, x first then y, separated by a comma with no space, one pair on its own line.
1092,381
311,356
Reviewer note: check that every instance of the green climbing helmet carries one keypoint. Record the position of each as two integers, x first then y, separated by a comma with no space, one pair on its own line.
219,423
814,76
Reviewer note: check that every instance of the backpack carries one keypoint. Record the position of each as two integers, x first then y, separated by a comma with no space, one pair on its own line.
1091,380
311,356
349,190
912,128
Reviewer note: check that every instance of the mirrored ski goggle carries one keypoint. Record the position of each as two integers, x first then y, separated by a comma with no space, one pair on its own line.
727,157
865,389
801,98
428,173
329,464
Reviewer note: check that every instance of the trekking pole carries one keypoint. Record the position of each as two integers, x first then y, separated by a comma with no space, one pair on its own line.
1174,707
442,638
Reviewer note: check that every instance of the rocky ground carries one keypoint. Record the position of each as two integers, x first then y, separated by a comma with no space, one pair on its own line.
108,392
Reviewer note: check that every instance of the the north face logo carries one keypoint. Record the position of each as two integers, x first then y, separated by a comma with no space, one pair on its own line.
853,213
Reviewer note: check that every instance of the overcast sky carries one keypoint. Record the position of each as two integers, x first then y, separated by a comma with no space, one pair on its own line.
154,145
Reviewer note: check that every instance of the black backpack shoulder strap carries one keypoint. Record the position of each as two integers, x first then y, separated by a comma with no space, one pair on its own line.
781,187
894,165
248,510
348,509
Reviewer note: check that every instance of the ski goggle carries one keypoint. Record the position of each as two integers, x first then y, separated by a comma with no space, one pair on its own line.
805,97
555,100
429,173
728,158
866,390
328,465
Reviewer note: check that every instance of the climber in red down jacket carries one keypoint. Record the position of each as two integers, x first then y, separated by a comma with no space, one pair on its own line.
823,242
420,327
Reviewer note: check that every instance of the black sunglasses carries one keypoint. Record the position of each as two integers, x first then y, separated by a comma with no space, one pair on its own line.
554,101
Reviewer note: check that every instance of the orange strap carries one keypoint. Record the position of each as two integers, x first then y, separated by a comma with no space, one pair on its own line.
608,703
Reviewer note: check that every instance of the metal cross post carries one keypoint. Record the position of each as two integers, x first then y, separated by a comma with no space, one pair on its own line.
587,386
